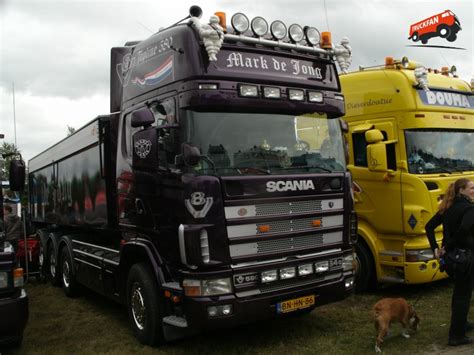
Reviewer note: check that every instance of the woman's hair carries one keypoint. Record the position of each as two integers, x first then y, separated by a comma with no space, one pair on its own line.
451,192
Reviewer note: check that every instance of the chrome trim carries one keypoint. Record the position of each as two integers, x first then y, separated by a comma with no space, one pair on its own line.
279,44
324,252
182,249
95,246
252,263
111,262
88,254
85,262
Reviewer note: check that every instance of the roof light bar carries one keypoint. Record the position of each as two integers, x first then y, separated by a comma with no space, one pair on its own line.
259,26
312,35
278,30
240,22
296,33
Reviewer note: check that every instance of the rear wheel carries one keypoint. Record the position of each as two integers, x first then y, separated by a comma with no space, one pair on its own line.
365,269
52,273
452,37
145,305
68,280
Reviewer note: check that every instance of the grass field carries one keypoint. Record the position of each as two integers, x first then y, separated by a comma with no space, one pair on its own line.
91,324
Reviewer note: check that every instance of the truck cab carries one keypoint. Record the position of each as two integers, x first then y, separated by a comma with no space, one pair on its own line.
410,136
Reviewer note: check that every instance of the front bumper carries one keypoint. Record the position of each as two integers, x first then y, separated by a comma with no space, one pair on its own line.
13,317
254,308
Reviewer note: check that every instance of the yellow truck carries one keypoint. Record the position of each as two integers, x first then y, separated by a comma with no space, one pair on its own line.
411,133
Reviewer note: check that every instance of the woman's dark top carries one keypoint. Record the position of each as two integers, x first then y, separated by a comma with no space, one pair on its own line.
458,225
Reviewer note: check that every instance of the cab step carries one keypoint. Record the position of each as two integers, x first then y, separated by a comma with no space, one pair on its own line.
176,321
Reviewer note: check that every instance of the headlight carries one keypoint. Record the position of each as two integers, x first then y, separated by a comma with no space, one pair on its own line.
348,263
296,33
322,266
269,276
248,90
278,30
213,287
271,92
295,94
315,96
419,255
287,273
305,269
3,280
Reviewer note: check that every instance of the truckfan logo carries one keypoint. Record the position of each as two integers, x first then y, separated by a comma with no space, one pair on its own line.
142,148
445,25
198,199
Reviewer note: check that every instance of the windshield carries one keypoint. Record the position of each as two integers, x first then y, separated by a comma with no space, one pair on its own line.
251,143
435,151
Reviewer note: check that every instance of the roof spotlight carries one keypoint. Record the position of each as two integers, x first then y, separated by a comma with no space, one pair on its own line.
312,35
453,70
240,22
296,33
405,62
278,30
259,26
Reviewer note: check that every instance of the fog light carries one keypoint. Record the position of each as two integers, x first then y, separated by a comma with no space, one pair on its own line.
226,309
212,311
322,266
315,96
296,95
271,93
423,267
248,90
349,282
269,276
287,273
306,269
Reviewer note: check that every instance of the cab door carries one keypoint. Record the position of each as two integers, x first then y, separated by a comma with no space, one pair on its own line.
377,194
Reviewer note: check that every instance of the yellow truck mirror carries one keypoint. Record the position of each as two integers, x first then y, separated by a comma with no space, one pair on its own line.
373,136
377,157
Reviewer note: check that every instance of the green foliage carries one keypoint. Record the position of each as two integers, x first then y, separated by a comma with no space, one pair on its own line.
6,148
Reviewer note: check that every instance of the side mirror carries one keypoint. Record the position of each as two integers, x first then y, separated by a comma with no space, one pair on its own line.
191,154
373,136
377,157
17,175
142,118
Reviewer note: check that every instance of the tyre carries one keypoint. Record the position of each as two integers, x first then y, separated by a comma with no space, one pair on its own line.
68,280
145,305
415,37
452,37
52,273
365,278
424,40
443,31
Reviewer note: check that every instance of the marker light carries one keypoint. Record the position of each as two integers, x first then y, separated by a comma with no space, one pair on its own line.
271,93
259,26
389,61
405,62
296,33
312,35
278,30
239,22
248,90
315,96
222,20
453,70
296,95
326,41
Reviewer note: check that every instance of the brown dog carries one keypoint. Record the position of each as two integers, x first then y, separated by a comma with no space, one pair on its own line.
389,310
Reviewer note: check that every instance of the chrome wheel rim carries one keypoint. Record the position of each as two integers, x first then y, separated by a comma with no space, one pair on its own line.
66,275
138,306
52,264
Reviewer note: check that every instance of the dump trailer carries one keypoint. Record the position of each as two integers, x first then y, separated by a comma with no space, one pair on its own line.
204,199
410,134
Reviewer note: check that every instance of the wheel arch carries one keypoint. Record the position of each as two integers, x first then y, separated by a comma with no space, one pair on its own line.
368,236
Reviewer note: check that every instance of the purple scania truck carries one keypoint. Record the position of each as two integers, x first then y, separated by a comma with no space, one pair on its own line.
216,192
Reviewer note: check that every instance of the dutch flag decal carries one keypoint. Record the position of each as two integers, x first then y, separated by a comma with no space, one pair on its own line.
157,75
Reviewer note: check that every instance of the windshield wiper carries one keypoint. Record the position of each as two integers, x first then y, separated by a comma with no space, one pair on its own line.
306,167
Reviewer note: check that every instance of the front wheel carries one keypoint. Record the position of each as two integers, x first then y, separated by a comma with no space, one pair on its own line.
365,269
145,305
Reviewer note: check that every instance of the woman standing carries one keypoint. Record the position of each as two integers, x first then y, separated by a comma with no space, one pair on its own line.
456,213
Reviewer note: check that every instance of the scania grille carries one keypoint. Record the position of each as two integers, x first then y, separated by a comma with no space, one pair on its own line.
282,208
286,244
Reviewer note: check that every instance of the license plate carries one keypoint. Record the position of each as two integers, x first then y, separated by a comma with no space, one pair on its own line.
295,304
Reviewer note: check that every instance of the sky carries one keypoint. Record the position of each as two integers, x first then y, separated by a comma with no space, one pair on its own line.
55,54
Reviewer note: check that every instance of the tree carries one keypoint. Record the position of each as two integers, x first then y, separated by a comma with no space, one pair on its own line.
70,130
10,151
